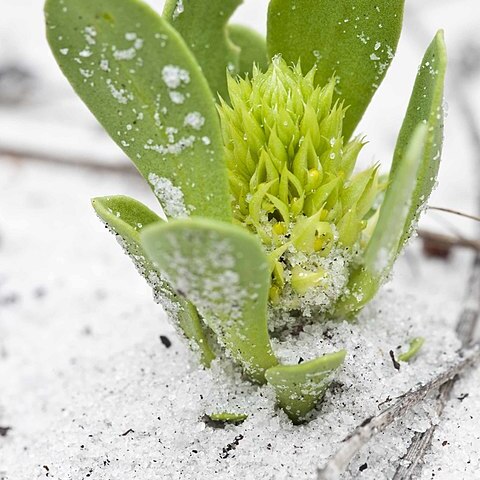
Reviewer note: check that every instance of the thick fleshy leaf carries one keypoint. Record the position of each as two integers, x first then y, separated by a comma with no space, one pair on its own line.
353,39
299,388
382,248
253,48
426,105
223,270
203,25
138,77
126,218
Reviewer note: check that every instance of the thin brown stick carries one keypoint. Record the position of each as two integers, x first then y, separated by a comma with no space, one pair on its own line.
449,241
19,154
352,444
455,212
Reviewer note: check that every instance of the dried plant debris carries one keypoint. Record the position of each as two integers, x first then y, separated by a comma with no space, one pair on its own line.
465,329
16,84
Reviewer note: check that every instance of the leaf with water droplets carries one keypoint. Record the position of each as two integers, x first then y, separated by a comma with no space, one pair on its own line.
138,77
203,25
426,105
352,39
223,270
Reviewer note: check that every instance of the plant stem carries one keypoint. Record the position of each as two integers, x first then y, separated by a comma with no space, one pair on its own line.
352,444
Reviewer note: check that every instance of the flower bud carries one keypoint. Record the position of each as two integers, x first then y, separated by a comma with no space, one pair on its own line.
291,181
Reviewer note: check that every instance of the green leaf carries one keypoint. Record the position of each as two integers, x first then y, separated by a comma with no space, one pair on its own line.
354,40
203,25
223,270
253,48
415,346
138,77
299,388
126,218
221,419
426,105
382,248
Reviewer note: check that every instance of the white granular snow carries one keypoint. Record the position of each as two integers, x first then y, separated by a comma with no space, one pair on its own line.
121,95
91,392
170,197
176,97
172,148
455,445
179,9
90,33
174,76
131,52
194,120
142,411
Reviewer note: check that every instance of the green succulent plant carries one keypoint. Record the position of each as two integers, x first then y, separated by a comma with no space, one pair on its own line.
248,145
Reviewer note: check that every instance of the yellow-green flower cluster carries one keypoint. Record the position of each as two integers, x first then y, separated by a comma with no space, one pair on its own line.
290,174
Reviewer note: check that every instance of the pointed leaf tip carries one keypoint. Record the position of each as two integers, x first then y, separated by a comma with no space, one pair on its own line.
426,105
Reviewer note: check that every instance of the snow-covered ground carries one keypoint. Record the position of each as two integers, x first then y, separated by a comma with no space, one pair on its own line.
88,390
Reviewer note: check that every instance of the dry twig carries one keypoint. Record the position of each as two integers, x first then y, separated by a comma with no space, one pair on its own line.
455,212
466,325
448,241
470,314
465,330
351,445
19,154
